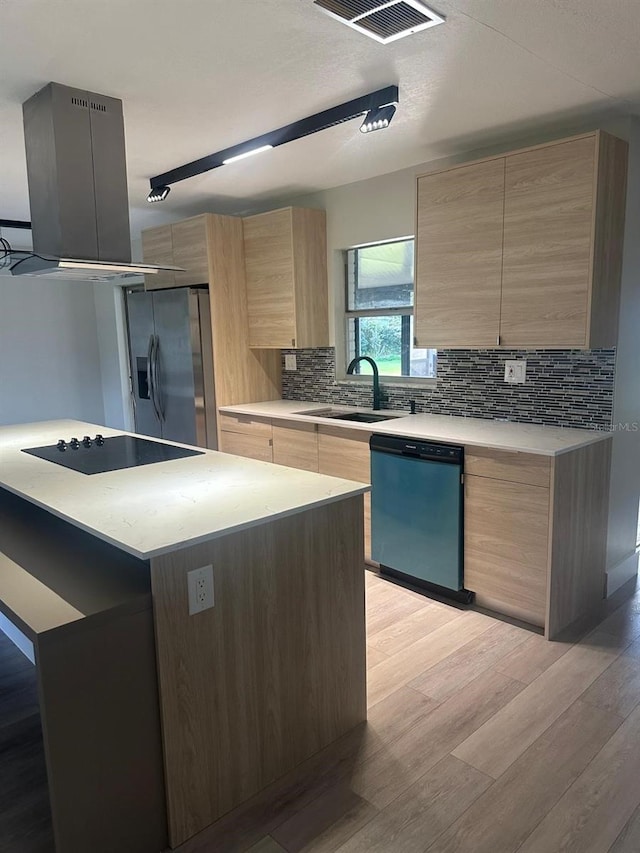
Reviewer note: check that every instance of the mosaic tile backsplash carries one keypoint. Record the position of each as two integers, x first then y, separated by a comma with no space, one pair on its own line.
571,388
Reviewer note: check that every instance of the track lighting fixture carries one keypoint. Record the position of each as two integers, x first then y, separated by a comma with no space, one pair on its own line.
158,193
249,153
378,107
378,119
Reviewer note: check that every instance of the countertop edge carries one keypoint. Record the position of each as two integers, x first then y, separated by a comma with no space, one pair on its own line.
358,489
253,409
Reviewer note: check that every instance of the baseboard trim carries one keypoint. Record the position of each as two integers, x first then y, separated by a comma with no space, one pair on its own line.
618,575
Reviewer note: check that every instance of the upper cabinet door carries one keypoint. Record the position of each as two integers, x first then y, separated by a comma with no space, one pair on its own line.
268,246
459,256
286,267
157,249
548,245
190,251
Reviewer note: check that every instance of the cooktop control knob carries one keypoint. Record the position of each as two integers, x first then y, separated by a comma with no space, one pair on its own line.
74,443
62,444
86,441
99,439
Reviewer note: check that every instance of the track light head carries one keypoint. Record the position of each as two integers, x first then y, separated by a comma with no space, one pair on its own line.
378,118
158,194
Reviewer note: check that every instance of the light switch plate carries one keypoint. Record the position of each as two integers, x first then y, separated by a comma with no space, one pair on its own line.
290,361
515,371
200,586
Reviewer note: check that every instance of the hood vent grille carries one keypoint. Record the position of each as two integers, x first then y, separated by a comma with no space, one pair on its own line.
383,21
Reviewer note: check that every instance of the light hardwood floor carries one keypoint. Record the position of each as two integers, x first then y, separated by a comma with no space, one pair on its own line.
482,738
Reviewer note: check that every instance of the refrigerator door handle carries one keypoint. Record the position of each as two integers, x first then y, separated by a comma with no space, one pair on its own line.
157,380
150,372
151,375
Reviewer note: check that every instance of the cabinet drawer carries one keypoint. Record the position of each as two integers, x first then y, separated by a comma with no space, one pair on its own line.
506,537
253,446
245,424
296,445
528,468
344,453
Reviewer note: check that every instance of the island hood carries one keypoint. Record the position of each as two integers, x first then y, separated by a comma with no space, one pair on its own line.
77,174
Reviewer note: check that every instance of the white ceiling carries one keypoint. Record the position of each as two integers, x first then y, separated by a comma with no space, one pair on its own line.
199,75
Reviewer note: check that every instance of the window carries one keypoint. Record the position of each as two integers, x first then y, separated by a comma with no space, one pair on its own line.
380,311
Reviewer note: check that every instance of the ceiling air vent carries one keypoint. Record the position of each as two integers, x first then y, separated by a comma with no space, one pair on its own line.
384,22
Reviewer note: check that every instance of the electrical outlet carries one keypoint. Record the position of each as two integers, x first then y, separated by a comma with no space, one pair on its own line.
290,362
515,371
200,586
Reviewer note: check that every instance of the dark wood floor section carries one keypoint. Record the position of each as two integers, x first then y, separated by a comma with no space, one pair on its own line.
25,817
482,738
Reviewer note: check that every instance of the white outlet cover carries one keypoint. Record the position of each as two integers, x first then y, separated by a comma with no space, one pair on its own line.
200,587
515,371
290,362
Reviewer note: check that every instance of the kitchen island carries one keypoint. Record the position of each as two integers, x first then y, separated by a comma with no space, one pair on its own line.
94,589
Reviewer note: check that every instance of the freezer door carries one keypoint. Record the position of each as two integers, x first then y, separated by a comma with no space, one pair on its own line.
416,518
173,364
141,331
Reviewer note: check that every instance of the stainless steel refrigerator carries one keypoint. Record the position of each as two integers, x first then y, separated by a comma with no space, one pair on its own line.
171,362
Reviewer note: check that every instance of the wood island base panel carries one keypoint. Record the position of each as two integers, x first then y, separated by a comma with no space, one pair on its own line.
270,675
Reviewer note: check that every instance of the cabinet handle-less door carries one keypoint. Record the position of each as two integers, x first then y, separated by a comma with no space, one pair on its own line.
460,217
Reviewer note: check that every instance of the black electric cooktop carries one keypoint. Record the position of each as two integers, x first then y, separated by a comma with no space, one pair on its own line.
98,455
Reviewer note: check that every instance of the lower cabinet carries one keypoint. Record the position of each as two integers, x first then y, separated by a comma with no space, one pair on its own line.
506,531
296,445
246,436
345,453
506,544
535,526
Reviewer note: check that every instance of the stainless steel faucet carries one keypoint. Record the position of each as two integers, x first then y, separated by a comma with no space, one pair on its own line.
378,395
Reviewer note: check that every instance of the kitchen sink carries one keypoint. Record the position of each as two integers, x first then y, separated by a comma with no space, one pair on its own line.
357,417
363,417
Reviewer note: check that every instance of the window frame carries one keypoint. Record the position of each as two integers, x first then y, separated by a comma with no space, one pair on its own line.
356,379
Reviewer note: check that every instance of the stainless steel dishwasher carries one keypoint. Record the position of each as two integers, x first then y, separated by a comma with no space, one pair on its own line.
417,511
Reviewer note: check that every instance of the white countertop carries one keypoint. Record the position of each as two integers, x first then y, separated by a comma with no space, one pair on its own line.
159,508
478,432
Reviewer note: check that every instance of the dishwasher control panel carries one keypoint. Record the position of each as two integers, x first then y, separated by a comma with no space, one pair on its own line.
420,449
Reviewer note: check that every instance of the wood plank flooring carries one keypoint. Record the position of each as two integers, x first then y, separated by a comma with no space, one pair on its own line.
25,816
481,738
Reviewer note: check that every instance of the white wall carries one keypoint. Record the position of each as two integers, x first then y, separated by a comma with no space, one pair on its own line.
49,356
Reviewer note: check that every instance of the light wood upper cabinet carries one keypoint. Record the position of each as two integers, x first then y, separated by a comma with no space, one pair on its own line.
548,218
287,290
523,250
459,256
157,248
190,251
180,244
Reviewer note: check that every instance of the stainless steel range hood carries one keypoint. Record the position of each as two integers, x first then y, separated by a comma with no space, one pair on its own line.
77,175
